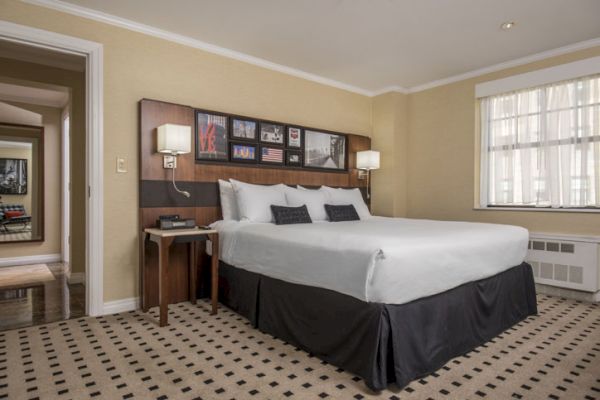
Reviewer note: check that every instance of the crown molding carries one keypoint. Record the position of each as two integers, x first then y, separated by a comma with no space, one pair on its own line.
239,56
190,42
508,64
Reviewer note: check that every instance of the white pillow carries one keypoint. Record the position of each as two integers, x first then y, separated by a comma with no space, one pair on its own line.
229,205
254,201
347,196
313,199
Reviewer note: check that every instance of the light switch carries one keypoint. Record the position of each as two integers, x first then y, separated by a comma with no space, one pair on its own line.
121,165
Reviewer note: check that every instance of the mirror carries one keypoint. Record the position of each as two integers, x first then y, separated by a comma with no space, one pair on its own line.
21,183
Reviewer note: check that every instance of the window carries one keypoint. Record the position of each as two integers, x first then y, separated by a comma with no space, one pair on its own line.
541,146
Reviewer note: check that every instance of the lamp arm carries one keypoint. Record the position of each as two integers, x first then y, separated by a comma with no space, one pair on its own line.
183,192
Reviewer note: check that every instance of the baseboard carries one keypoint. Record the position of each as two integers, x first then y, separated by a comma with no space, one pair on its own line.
41,259
568,293
123,305
76,278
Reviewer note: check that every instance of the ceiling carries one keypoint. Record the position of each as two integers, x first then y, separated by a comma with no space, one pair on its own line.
369,45
33,95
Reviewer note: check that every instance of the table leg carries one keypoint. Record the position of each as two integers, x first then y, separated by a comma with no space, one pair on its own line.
214,292
163,279
193,271
145,240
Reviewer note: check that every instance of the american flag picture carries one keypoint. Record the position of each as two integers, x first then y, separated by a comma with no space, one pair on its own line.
272,155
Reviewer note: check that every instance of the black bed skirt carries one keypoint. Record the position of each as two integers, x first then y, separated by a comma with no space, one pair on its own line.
381,343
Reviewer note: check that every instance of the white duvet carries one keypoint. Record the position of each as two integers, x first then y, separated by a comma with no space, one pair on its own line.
384,260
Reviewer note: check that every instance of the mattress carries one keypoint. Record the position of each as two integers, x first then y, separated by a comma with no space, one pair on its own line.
383,260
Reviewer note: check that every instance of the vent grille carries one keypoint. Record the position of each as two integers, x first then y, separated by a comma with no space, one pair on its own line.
559,262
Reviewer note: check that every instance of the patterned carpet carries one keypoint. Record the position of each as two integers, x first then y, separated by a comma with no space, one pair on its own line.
555,355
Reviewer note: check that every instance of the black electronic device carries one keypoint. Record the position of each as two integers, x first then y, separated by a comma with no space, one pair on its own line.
167,222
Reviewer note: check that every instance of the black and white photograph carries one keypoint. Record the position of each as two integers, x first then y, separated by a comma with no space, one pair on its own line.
271,133
294,137
324,150
244,129
13,176
293,158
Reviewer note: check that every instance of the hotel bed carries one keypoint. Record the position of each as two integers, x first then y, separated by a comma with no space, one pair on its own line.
389,299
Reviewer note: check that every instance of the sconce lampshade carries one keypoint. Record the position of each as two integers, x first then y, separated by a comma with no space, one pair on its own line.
368,160
174,139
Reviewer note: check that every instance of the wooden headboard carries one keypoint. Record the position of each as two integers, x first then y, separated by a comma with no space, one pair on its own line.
157,196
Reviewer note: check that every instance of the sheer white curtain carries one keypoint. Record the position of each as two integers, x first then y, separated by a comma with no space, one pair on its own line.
541,146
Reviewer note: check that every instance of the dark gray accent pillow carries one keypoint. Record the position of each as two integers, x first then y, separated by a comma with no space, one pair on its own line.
341,213
291,215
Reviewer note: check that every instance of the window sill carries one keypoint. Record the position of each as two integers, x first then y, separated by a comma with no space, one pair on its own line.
534,209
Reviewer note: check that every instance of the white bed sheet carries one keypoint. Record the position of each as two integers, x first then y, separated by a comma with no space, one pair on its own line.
385,260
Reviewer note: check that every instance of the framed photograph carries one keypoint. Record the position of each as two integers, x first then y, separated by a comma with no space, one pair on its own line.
271,133
324,150
244,129
271,155
243,152
294,137
293,158
13,176
211,136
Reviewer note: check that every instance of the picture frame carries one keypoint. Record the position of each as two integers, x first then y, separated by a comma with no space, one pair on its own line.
13,176
243,129
243,152
212,136
293,137
271,155
325,150
272,133
293,158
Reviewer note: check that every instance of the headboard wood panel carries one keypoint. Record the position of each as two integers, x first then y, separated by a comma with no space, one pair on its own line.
157,196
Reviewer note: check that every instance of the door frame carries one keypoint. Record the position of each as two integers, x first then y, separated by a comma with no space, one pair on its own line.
93,53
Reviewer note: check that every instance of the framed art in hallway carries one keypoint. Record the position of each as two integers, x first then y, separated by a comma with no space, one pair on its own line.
324,150
13,176
243,129
211,136
243,152
271,133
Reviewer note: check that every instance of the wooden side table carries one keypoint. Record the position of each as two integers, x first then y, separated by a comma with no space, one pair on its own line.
164,239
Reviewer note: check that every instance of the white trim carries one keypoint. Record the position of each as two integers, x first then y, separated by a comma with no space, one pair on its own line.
538,209
509,64
123,305
41,259
564,236
66,184
76,277
94,137
540,77
236,55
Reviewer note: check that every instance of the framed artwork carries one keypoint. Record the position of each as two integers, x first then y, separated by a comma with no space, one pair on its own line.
324,150
13,176
244,129
271,133
294,137
293,158
271,155
211,136
243,152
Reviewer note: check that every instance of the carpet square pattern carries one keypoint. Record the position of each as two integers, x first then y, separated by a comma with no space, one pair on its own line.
555,355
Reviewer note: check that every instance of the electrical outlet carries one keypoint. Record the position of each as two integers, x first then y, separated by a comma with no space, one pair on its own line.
169,162
121,165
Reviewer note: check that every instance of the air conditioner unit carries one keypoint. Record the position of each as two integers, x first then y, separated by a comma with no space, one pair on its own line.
565,261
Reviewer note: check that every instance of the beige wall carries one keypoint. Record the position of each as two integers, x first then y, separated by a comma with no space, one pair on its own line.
390,138
442,158
138,66
51,121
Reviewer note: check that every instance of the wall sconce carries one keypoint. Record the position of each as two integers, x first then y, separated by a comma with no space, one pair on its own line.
174,140
366,161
